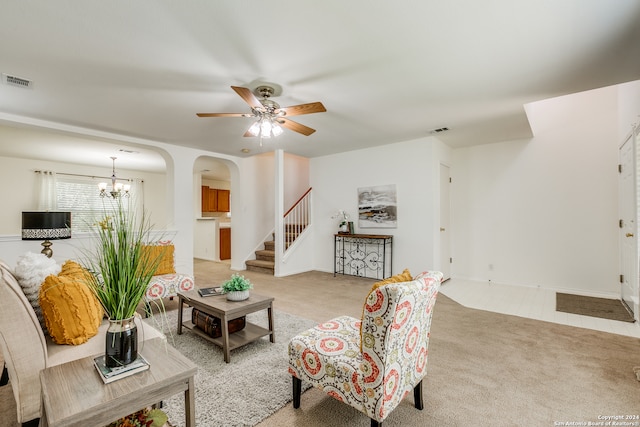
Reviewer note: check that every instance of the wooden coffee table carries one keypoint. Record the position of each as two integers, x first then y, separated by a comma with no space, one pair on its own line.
219,307
74,395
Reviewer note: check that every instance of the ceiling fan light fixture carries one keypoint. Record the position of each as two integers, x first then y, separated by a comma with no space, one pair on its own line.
276,130
255,128
268,114
265,128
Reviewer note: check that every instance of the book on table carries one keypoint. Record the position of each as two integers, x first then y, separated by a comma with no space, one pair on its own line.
208,292
112,374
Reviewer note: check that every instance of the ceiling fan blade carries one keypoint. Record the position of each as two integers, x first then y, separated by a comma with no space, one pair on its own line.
223,115
297,110
296,127
248,96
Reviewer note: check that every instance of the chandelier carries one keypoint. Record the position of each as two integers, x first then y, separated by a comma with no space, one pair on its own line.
117,189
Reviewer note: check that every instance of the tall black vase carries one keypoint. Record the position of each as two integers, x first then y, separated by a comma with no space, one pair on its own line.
121,346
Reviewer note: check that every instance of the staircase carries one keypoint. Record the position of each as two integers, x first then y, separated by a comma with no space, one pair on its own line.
295,222
265,259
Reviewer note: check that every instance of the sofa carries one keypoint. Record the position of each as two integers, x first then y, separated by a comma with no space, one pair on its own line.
27,350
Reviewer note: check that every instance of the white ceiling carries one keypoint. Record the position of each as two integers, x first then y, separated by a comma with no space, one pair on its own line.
386,71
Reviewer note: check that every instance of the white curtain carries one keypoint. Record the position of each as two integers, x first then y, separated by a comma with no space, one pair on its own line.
137,192
46,191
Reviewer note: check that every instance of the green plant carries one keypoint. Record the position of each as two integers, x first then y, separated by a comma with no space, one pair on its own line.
120,269
236,283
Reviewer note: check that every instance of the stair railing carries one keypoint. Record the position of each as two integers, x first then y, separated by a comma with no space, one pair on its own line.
296,220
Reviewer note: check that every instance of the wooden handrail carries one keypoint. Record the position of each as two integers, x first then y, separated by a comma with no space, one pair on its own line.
298,201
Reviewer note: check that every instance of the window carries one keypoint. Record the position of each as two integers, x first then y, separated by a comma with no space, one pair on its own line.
80,196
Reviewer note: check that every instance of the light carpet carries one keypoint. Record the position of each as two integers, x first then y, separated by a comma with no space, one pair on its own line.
236,393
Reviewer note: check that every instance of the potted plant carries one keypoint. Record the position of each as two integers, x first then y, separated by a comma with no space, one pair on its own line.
343,216
237,287
119,272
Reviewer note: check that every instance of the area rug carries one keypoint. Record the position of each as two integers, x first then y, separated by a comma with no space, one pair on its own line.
245,391
595,307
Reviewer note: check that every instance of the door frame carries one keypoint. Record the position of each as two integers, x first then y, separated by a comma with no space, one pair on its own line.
628,226
444,234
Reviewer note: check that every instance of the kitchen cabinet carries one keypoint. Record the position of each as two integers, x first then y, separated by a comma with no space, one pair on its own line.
224,204
225,243
215,200
205,198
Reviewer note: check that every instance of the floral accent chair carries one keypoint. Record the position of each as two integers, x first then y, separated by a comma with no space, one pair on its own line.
373,363
166,282
168,285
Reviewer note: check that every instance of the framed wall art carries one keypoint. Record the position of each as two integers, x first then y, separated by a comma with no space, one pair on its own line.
377,207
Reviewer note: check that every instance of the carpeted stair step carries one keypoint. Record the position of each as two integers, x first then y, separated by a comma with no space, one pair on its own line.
270,245
266,255
260,266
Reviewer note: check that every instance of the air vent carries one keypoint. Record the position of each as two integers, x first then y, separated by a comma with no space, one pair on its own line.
17,81
434,131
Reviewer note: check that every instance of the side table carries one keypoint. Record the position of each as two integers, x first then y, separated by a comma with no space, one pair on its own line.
74,395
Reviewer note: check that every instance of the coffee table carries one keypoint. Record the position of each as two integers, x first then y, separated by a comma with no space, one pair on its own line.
218,306
74,395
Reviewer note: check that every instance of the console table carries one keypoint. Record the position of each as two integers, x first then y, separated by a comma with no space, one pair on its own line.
364,255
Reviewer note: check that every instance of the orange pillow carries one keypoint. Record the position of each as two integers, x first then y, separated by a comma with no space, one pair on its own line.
405,276
71,311
72,268
166,253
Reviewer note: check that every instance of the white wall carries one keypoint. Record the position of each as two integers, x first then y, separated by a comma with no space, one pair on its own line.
170,197
543,212
214,183
628,108
413,167
21,184
252,207
21,196
296,179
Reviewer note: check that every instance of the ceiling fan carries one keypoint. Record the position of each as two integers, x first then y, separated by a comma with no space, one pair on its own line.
270,116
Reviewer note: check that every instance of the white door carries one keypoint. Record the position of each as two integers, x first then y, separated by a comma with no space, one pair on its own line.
445,212
627,202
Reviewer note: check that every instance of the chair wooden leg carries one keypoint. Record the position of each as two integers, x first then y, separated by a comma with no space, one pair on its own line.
375,423
417,396
297,390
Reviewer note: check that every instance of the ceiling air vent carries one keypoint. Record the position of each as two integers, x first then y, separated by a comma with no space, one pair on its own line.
439,130
17,81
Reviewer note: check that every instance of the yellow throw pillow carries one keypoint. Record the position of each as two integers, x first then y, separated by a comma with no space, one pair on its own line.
70,309
166,253
72,268
405,276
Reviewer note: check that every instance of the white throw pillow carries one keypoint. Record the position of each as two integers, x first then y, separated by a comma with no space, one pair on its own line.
30,272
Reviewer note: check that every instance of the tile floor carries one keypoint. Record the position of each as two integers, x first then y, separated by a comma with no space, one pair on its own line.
533,303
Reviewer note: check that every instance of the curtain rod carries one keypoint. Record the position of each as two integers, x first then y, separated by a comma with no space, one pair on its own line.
88,176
